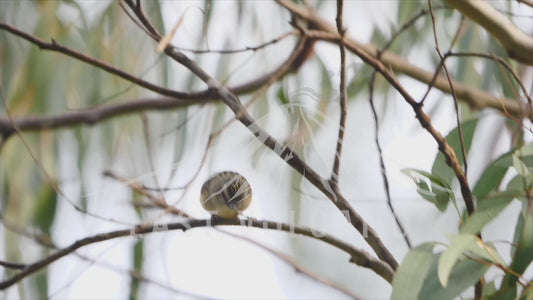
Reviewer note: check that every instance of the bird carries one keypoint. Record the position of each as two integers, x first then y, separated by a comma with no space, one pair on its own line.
226,194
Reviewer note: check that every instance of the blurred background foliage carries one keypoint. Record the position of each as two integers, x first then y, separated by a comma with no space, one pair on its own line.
47,175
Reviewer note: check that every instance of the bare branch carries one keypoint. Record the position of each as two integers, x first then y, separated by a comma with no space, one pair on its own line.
474,97
342,97
360,257
298,267
517,43
288,155
138,188
382,163
479,285
97,114
54,46
422,117
448,76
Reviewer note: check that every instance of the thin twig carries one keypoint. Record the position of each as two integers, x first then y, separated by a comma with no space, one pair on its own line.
383,168
55,46
342,97
382,163
448,76
359,257
502,62
11,265
288,155
476,98
423,118
157,201
45,241
298,267
478,290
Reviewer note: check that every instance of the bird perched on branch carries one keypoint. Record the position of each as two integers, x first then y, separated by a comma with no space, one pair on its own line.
226,194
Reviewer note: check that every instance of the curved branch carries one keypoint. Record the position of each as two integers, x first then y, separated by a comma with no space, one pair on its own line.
54,46
476,98
289,156
91,116
359,257
423,118
517,43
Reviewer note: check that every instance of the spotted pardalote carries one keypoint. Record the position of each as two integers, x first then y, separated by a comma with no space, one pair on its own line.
226,194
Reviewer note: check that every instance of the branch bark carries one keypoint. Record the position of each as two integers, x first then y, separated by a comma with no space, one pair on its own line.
517,43
359,257
423,118
476,98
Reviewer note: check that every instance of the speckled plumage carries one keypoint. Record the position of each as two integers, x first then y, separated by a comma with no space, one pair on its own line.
226,194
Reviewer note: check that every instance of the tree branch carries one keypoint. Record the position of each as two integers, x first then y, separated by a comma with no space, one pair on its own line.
91,116
359,257
55,46
517,43
423,118
287,154
342,97
474,97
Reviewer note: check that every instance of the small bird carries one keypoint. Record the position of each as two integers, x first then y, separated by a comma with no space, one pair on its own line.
226,194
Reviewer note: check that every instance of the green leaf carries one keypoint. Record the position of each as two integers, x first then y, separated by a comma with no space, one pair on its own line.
282,95
492,176
410,276
523,254
465,274
464,244
440,167
45,208
138,258
452,254
437,192
489,288
487,210
520,166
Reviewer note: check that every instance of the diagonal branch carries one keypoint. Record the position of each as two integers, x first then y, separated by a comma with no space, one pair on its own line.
423,118
297,266
474,97
91,116
287,154
55,46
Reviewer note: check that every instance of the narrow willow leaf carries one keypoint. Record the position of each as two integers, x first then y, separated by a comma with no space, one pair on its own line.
138,258
410,276
282,95
45,208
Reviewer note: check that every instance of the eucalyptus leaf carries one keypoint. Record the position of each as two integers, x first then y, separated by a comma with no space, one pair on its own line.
523,254
409,278
437,191
465,274
440,167
486,211
461,245
492,176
